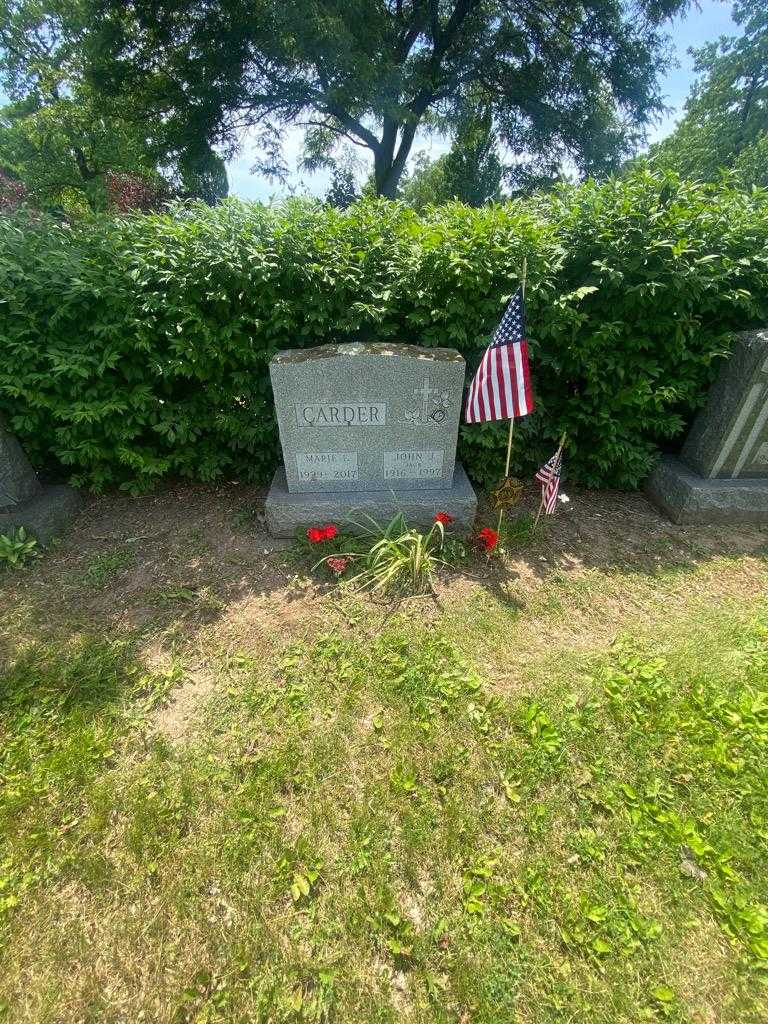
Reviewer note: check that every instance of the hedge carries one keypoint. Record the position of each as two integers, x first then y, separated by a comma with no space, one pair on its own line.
137,347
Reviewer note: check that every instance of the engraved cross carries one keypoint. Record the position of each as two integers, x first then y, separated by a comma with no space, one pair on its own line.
425,392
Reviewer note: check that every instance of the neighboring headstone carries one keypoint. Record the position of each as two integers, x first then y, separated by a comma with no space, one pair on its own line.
24,501
367,429
18,481
722,472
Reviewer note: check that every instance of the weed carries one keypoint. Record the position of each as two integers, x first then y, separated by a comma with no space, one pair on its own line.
102,569
17,548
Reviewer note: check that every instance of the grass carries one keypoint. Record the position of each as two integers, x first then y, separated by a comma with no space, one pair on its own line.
103,568
368,827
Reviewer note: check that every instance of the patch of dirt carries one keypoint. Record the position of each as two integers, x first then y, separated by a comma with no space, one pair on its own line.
191,570
176,719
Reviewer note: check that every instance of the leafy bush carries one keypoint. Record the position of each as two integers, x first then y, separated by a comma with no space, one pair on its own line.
137,347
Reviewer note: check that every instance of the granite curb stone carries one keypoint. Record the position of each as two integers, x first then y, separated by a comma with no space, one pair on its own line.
687,497
287,512
45,515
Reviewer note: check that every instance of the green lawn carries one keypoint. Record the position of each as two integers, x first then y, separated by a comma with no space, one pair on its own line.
373,823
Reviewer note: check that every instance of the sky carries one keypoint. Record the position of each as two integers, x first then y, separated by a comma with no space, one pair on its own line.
707,20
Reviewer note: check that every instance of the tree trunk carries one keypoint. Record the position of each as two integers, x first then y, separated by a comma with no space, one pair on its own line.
386,178
86,173
388,166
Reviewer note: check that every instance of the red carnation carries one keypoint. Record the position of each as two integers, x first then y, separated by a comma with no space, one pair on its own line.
488,538
337,565
444,518
316,534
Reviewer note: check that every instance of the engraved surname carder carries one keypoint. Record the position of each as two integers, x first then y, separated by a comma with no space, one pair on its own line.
326,466
341,414
413,465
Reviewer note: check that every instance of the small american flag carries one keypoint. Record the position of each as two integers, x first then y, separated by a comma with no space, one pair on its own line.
501,389
549,478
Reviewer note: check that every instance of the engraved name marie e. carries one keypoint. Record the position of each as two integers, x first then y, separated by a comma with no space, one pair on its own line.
413,465
341,414
326,466
757,398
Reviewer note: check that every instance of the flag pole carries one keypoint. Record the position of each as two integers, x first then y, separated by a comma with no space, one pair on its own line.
512,418
541,503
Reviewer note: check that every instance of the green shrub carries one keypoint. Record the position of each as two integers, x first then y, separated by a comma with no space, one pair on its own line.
137,347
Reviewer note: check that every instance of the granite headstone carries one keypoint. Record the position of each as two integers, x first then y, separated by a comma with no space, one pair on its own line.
367,428
24,501
721,474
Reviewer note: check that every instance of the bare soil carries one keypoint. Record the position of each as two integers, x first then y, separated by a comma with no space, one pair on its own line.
191,568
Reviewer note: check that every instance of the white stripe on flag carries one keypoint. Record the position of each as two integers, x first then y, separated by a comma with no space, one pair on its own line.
476,395
470,393
507,381
485,394
520,381
495,384
475,403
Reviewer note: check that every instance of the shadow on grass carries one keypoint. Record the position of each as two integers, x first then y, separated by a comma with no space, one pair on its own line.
191,559
51,679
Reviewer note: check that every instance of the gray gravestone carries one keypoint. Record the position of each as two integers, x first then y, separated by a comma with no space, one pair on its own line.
367,428
42,511
722,472
18,481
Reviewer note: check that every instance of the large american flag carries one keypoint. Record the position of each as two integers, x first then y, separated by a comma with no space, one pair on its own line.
549,478
501,389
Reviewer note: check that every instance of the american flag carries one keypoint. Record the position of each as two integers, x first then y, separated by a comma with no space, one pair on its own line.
501,389
549,478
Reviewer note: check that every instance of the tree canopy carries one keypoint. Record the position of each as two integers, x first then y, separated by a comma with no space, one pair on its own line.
61,137
471,171
726,116
562,81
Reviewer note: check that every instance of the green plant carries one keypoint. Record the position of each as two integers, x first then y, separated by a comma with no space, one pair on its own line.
137,348
399,557
17,548
103,568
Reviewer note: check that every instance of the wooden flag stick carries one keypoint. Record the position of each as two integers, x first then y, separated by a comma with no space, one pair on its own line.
512,418
541,503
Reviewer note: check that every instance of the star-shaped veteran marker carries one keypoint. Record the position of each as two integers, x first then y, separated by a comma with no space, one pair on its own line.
508,493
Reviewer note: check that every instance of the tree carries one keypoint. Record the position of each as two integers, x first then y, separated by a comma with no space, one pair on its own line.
61,149
202,174
471,171
562,80
726,116
61,138
342,191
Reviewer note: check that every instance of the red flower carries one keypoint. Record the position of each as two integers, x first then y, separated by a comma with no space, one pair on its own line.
337,565
316,534
444,518
488,539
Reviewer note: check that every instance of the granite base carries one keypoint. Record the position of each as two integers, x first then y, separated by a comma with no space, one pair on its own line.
286,513
44,515
688,498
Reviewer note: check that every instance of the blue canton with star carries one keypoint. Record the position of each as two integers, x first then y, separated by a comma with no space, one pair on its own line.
512,326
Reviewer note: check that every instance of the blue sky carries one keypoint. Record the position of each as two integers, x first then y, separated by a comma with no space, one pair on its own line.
704,22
